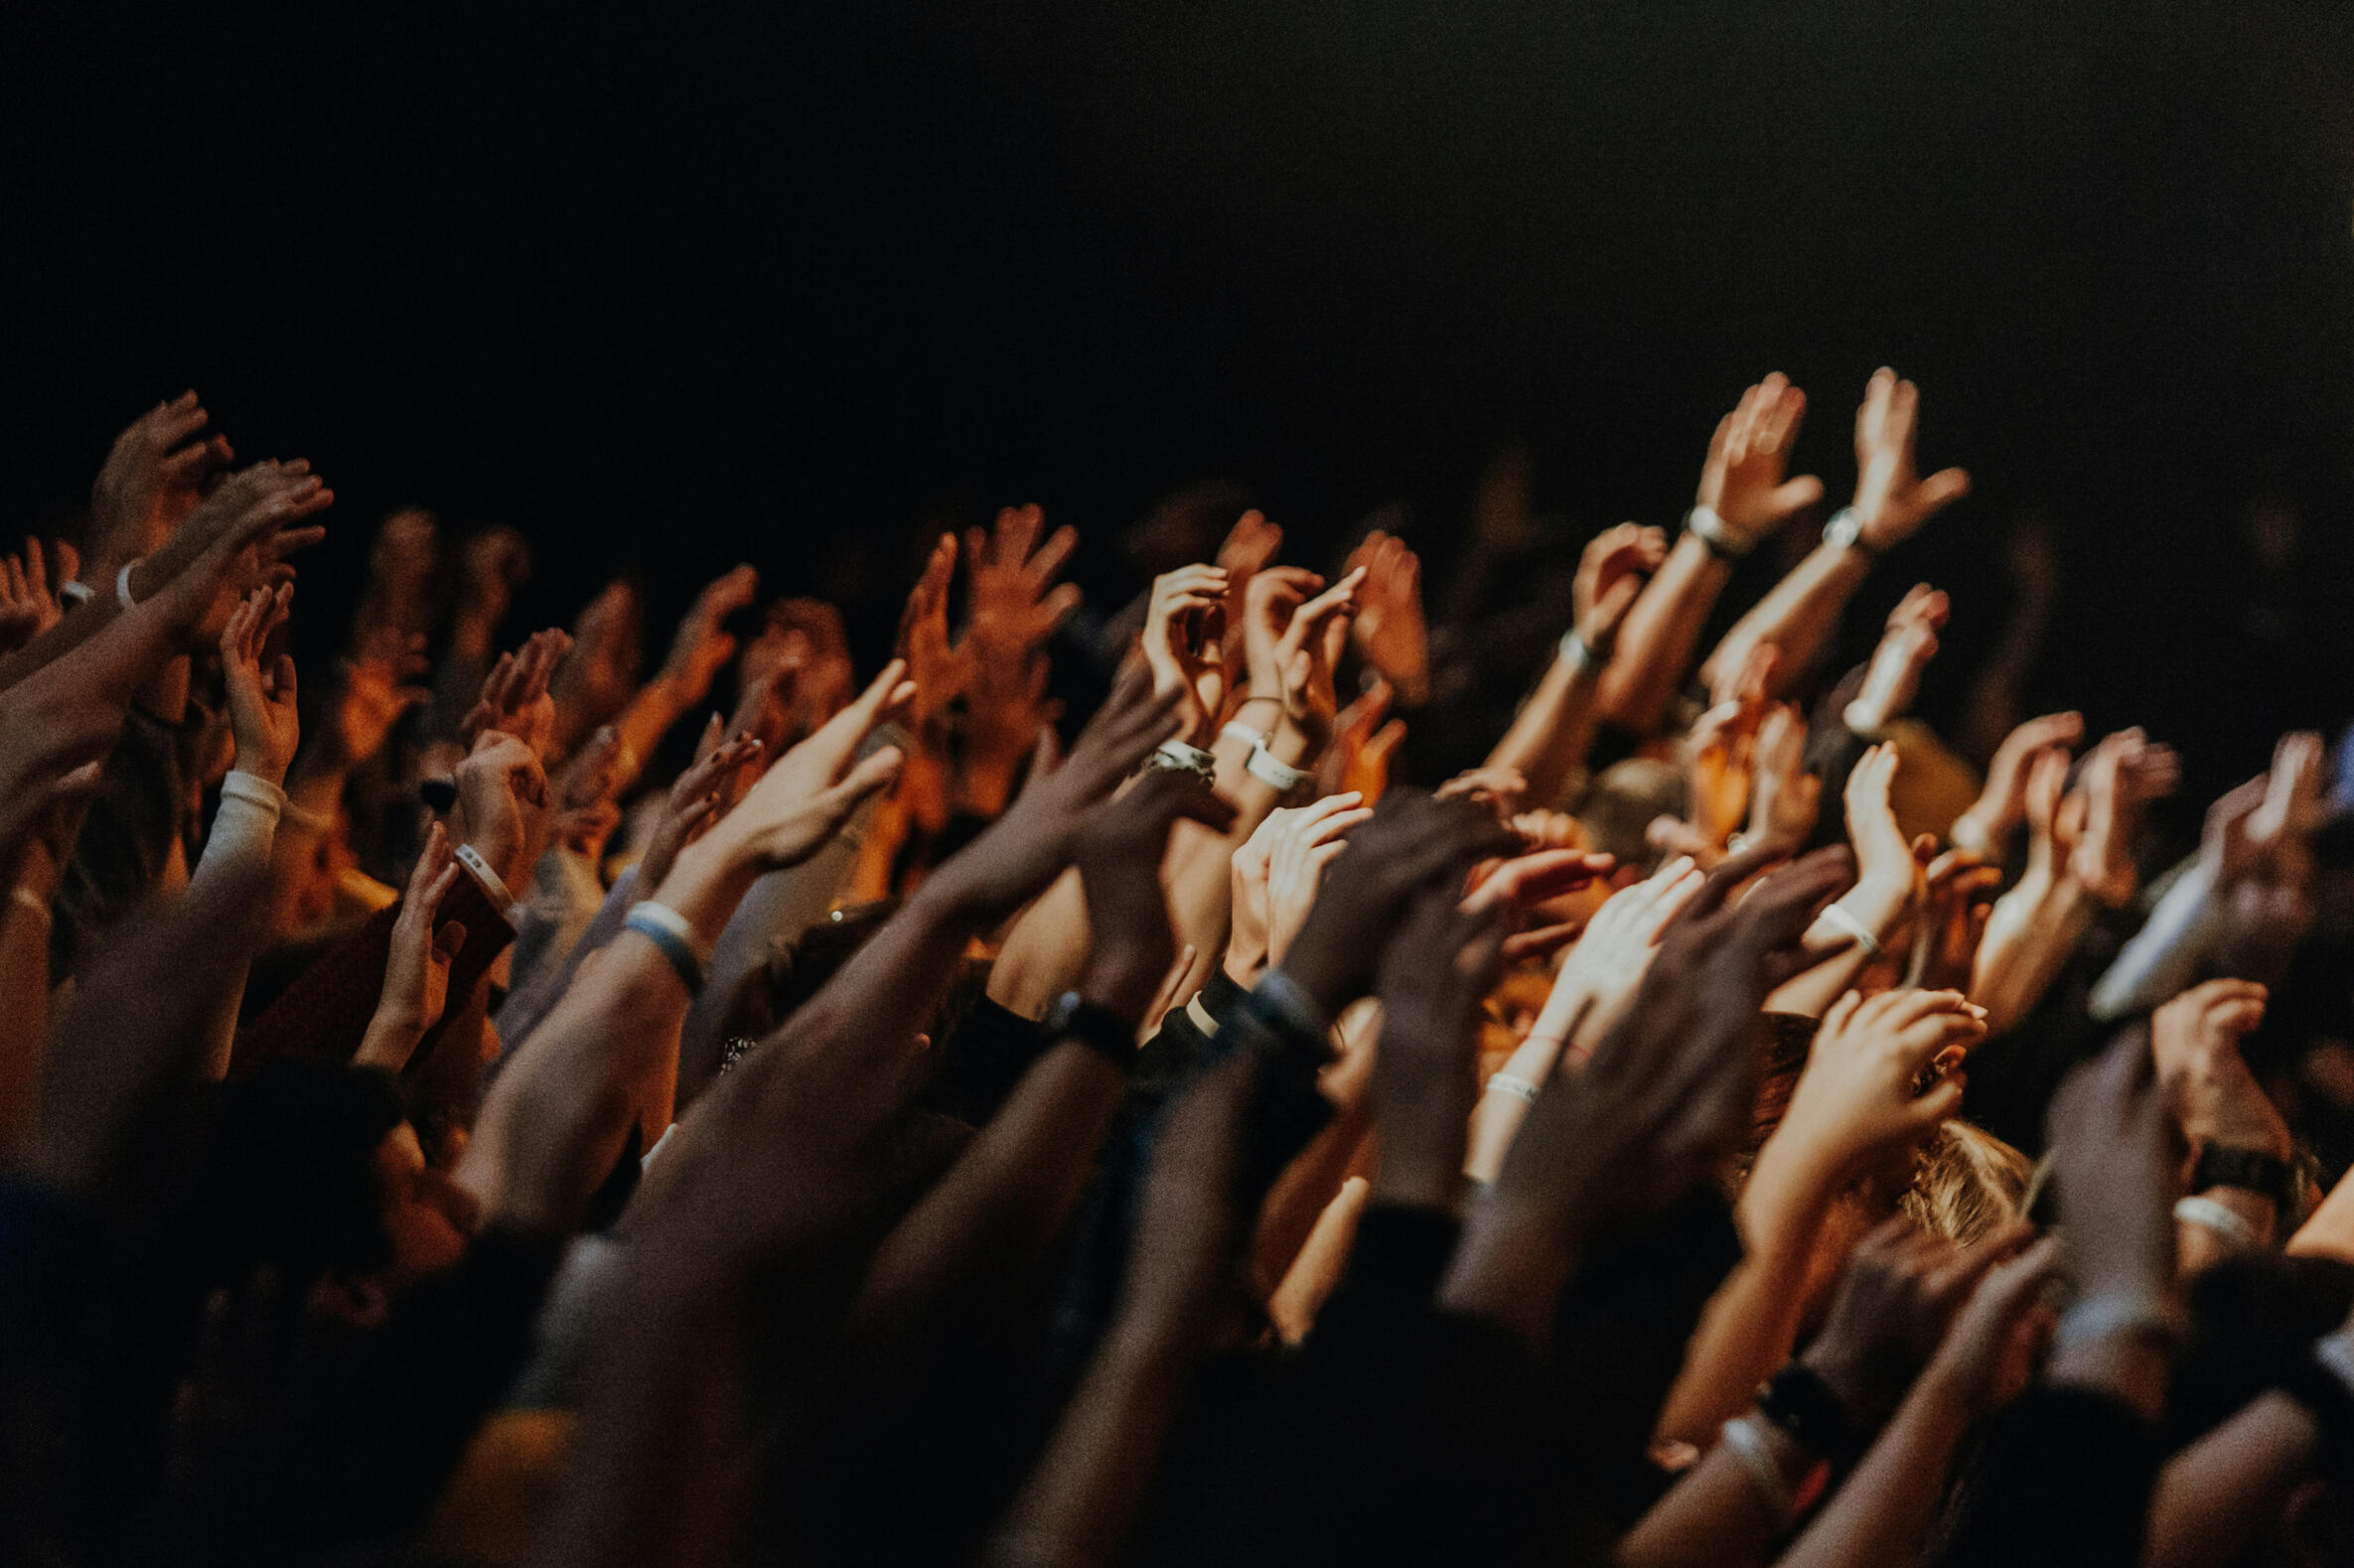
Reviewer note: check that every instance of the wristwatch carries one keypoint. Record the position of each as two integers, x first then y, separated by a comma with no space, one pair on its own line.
1092,1024
2257,1171
1844,531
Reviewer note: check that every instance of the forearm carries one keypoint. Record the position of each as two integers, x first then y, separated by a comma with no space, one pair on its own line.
1502,1107
641,725
1882,1511
1655,647
1083,1494
240,844
2164,957
2217,1497
1751,1323
1716,1516
2030,936
2329,1230
1550,736
1797,617
24,998
978,1235
1045,952
1839,955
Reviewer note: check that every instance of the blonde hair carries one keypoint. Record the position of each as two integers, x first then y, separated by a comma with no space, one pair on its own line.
1967,1184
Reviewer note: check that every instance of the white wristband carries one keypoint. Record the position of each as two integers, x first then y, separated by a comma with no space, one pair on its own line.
493,884
2218,1217
1270,769
75,594
1749,1445
1864,934
1579,654
1512,1084
31,903
122,587
1236,730
1858,718
1714,532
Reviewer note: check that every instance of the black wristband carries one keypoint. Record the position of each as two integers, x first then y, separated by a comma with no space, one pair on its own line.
1801,1403
2257,1171
1095,1026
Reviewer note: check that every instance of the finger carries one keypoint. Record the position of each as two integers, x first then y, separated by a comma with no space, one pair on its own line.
873,771
1539,943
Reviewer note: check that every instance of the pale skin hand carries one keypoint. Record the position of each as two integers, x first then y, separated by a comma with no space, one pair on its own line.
1551,733
1012,607
1390,630
1905,650
1300,844
1180,644
1887,889
1853,1109
514,699
417,963
2001,806
1596,982
2195,1042
1743,481
1784,798
2034,927
261,705
2124,774
151,480
29,605
1890,499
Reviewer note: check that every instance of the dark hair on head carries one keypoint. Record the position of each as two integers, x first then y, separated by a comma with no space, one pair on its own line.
289,1175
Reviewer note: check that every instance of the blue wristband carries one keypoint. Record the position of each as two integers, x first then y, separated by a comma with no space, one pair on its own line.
671,936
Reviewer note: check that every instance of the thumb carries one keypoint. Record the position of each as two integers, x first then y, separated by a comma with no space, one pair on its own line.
448,940
870,775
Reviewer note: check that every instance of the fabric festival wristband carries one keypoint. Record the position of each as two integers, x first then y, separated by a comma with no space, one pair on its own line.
493,884
242,786
75,594
1513,1084
122,587
1272,771
2212,1216
667,929
2099,1316
1854,927
1705,525
1184,758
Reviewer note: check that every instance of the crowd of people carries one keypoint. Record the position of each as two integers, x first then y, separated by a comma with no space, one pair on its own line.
487,1104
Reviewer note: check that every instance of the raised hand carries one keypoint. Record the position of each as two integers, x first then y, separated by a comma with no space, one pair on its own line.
1895,1307
1012,604
2194,1042
1855,1107
1181,645
585,812
1389,630
381,682
1664,1099
599,676
940,670
1031,843
29,605
1438,964
1722,749
698,798
1784,798
1600,976
1888,876
1120,847
2114,1174
1610,574
1411,839
2001,804
262,706
1294,635
1905,649
514,699
235,539
701,646
152,480
1891,501
1955,901
417,962
2124,774
503,804
809,792
1362,744
1298,844
811,647
1742,479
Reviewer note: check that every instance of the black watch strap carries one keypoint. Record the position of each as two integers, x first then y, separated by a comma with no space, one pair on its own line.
1092,1024
2252,1170
1801,1403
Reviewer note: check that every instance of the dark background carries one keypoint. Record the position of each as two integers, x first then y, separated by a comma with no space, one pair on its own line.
783,283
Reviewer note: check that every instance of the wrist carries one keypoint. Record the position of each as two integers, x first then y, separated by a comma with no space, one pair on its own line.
1121,983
